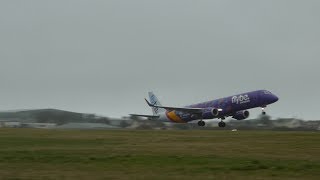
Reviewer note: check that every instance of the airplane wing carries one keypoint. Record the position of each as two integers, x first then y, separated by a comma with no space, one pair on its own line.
146,116
187,110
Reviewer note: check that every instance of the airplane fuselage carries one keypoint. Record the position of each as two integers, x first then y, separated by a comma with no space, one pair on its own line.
228,106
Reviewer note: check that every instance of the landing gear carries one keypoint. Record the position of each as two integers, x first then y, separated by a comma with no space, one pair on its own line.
222,124
263,111
201,123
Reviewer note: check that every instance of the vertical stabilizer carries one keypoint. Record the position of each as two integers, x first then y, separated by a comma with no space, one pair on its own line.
154,100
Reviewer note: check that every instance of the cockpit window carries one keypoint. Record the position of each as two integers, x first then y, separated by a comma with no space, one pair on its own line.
267,92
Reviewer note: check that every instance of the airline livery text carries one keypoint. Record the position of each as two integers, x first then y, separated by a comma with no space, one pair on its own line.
241,99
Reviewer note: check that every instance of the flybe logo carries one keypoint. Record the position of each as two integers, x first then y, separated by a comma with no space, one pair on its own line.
241,99
154,102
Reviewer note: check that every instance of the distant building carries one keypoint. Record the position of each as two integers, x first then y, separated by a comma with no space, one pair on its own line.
85,126
38,125
10,124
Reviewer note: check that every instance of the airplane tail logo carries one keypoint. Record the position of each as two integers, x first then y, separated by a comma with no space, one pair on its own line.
154,100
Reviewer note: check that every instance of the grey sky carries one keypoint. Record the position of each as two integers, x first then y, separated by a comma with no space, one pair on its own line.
104,56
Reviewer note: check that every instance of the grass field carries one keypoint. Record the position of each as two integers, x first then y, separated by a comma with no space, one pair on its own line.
102,154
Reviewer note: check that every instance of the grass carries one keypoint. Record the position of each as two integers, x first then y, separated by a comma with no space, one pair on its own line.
101,154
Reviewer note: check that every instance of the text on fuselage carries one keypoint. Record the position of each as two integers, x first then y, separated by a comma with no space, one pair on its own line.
241,99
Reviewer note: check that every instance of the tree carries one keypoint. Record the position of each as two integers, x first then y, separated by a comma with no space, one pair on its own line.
265,119
124,124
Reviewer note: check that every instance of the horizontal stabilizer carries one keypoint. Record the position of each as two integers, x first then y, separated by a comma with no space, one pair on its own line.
146,116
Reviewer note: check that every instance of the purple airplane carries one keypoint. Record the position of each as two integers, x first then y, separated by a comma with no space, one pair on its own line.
235,106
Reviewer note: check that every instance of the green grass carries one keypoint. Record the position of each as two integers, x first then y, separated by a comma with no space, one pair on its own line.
86,154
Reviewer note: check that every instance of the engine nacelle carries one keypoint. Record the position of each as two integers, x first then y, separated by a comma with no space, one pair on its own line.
241,115
211,113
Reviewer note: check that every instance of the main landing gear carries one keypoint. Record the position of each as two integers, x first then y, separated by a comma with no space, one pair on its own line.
201,123
221,123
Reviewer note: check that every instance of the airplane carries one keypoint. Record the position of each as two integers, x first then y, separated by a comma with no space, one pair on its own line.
235,106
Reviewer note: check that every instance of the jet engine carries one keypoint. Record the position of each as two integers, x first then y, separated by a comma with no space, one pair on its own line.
241,115
211,113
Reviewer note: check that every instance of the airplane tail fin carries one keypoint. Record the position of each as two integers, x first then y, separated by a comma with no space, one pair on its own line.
154,100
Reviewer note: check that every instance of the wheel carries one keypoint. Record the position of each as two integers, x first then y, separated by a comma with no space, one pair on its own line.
201,123
222,124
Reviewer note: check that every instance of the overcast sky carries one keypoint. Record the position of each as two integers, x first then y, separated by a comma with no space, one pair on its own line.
103,56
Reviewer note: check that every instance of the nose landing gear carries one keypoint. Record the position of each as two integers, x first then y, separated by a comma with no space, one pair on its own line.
263,111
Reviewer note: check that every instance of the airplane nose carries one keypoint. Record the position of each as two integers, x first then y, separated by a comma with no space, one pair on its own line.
275,98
